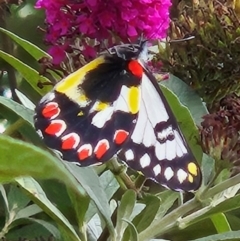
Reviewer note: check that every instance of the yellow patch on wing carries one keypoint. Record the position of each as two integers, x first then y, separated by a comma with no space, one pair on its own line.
101,106
68,86
133,99
190,178
192,168
80,113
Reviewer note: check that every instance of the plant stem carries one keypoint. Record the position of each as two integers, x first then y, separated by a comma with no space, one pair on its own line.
159,227
13,127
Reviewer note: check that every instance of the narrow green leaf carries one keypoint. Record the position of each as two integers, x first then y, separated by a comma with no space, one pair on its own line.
91,184
29,160
188,97
220,222
4,195
30,231
25,100
145,218
37,194
30,74
51,228
232,235
185,121
28,211
124,212
208,167
80,207
18,109
167,200
109,185
17,199
133,231
32,49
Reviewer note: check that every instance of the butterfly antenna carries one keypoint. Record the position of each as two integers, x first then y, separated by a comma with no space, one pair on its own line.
181,40
106,48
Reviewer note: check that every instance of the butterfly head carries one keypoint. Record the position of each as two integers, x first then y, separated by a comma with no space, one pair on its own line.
131,51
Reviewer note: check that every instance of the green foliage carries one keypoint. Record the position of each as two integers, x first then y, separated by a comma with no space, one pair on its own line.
44,196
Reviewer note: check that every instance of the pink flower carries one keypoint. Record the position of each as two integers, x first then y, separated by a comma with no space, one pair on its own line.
92,21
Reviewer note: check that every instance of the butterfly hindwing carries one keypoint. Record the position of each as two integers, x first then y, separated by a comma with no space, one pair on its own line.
157,147
91,113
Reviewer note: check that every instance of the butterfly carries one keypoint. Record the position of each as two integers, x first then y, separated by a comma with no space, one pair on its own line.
114,106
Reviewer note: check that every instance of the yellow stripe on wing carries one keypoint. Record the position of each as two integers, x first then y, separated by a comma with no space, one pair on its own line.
68,86
134,99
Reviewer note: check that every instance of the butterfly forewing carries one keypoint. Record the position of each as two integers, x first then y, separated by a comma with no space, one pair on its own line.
89,115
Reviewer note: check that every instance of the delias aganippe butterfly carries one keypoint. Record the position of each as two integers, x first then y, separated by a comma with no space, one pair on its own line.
114,106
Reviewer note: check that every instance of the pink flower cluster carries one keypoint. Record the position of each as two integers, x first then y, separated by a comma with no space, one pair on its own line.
92,21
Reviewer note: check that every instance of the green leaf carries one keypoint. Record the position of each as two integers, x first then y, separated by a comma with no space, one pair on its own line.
91,184
233,235
208,167
18,109
145,218
29,232
185,122
133,231
4,195
124,212
32,49
167,200
224,206
37,194
110,185
17,199
29,160
80,206
220,222
28,211
30,74
187,97
25,100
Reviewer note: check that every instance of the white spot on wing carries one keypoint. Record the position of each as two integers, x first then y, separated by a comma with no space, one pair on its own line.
149,138
138,133
155,108
145,160
181,149
102,117
129,155
121,102
165,133
181,175
168,173
170,149
157,169
160,151
48,97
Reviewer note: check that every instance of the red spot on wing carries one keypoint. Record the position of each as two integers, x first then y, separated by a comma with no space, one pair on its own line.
135,68
101,148
50,110
120,136
70,141
56,127
84,152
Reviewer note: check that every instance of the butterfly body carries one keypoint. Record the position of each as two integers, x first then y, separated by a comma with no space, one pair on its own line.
113,105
